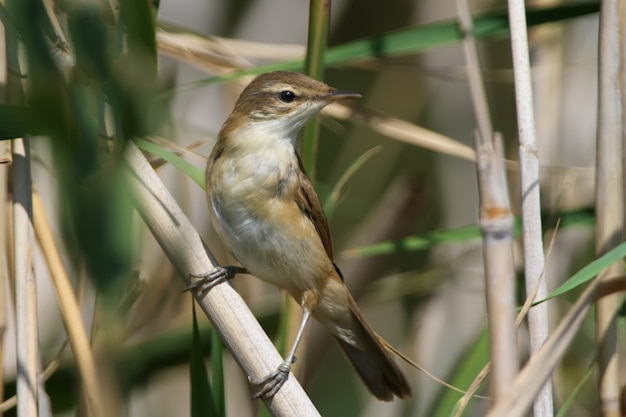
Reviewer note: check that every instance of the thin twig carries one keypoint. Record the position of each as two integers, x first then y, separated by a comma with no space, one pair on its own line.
401,130
474,75
239,330
534,259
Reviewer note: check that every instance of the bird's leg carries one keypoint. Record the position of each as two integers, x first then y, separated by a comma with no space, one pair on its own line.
207,280
269,385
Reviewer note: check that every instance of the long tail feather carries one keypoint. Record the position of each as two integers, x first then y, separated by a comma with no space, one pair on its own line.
373,362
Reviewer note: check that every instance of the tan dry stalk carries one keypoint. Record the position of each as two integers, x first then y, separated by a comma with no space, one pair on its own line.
402,130
70,310
496,223
609,199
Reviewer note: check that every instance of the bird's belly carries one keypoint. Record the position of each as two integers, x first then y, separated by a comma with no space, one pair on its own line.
273,242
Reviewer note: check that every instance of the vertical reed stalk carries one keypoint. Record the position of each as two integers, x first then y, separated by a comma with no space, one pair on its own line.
319,19
496,223
534,260
25,289
609,198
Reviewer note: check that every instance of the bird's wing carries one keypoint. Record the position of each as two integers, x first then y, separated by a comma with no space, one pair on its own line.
309,204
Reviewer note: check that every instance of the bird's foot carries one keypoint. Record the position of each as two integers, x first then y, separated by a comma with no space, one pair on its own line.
269,385
205,281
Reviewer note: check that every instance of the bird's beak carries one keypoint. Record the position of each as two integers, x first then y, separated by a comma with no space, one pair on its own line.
334,95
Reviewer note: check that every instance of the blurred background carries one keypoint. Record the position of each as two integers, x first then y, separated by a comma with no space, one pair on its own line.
423,291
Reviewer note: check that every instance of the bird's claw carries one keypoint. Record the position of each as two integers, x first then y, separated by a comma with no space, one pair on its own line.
207,280
271,384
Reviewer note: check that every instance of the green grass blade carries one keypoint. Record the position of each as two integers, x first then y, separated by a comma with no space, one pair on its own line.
424,37
202,404
569,401
414,243
188,168
588,272
217,373
333,198
576,218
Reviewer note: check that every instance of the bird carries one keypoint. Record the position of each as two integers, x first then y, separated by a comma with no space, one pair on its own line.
266,212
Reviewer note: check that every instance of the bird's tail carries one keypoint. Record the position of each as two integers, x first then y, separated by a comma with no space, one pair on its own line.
372,361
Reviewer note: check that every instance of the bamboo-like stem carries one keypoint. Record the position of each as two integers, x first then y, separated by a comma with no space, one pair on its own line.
496,223
70,310
25,289
609,199
534,261
240,331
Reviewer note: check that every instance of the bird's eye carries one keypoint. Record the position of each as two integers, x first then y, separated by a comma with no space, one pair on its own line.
287,96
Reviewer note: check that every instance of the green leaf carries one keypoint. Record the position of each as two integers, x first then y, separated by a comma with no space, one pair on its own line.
188,168
569,401
202,404
588,272
217,373
413,243
582,217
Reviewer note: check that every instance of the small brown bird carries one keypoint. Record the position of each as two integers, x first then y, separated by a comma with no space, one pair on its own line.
268,215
